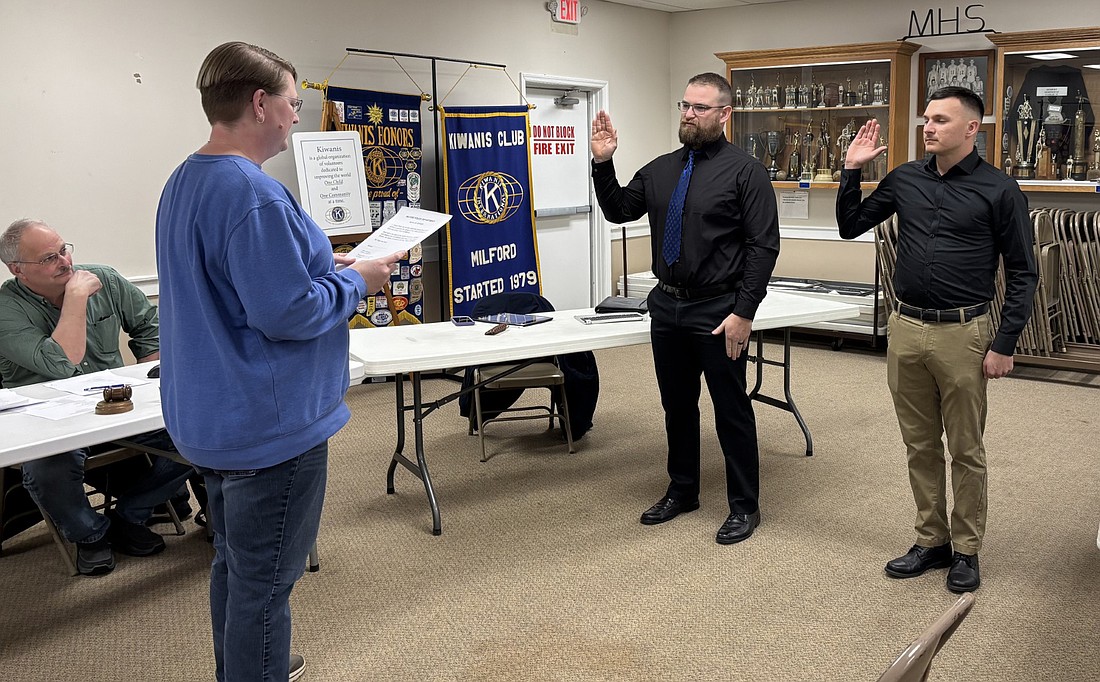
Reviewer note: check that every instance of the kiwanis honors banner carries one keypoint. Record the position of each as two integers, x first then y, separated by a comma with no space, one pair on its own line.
388,125
487,162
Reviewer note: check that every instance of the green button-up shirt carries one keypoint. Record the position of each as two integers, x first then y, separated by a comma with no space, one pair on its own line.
28,353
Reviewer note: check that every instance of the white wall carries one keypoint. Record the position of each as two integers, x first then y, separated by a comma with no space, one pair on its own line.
88,147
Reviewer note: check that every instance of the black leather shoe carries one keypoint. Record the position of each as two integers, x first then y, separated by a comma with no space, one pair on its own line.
737,527
666,509
918,560
964,575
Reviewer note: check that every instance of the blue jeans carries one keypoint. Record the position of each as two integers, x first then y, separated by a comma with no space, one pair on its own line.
265,521
57,485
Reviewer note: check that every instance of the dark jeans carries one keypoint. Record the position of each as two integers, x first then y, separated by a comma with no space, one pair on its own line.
265,521
57,485
683,350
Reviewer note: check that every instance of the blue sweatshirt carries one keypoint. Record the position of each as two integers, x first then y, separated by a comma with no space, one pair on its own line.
253,318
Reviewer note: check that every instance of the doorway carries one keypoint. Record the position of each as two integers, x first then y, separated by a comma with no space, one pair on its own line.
573,240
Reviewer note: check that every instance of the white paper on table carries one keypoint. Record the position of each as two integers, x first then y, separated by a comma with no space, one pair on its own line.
9,399
63,407
86,384
406,229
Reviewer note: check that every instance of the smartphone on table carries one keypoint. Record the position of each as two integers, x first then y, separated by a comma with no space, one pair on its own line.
462,320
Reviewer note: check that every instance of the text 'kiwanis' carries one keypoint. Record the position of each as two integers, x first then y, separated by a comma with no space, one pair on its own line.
484,139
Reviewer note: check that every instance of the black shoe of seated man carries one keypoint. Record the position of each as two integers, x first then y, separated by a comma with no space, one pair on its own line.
94,558
737,527
964,575
918,560
133,539
666,509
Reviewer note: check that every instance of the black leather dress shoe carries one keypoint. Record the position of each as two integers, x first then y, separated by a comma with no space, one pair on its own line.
964,575
666,509
737,527
918,560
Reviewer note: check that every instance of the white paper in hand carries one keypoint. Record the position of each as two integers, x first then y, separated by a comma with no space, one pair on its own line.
406,229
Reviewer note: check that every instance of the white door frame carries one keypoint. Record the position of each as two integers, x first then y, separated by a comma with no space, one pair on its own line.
599,232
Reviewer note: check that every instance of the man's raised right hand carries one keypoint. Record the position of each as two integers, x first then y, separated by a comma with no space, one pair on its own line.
605,139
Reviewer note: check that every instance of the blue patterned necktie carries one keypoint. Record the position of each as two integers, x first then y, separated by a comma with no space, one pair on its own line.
674,222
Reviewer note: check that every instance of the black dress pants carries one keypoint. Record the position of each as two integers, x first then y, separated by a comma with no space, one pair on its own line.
683,350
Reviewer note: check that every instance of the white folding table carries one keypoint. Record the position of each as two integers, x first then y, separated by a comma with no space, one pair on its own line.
414,349
27,437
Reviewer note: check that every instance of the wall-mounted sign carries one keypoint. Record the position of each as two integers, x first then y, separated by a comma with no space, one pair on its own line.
566,11
946,21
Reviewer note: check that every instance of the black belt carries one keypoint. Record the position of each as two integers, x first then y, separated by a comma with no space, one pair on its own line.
953,315
697,293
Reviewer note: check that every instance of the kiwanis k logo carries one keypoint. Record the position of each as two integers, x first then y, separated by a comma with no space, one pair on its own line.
490,197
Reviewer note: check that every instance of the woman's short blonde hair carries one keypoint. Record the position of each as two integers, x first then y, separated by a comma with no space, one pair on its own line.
232,72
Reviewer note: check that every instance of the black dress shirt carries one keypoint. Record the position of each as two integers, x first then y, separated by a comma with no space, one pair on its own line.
951,230
731,221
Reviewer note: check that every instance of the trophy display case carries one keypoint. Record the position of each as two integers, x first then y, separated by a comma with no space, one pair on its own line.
1046,132
798,109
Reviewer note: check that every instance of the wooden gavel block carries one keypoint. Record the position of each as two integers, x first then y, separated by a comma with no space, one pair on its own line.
116,400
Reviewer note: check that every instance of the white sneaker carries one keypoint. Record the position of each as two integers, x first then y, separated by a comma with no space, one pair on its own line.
297,667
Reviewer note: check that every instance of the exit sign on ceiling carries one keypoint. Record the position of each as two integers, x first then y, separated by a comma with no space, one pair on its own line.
567,12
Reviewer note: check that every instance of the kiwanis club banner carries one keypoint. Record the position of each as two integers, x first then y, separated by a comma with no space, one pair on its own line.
487,162
389,128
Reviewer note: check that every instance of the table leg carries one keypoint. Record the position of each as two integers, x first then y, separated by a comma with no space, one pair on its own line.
788,404
419,468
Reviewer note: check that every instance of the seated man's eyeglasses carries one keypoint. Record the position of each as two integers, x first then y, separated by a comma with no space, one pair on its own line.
294,101
700,109
51,259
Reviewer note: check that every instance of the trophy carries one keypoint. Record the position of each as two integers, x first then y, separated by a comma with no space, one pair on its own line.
1027,129
750,147
1057,134
844,139
773,143
878,94
808,155
1094,170
794,164
824,171
739,102
1076,168
1004,131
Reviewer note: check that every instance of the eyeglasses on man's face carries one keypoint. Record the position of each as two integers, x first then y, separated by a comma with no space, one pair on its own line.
699,109
294,101
66,250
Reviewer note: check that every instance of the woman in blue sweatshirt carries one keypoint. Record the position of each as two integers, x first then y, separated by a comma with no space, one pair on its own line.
254,352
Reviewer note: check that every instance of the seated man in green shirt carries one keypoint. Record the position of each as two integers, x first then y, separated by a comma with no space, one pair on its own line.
58,320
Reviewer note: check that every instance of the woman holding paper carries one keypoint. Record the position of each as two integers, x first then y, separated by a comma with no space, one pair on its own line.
254,352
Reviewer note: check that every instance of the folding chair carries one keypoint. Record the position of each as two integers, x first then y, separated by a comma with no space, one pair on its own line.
914,663
94,461
544,373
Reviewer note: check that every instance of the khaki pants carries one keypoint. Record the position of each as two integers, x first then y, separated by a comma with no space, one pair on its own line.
934,370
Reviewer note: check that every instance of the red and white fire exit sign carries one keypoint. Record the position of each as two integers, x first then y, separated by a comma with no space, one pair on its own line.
566,11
